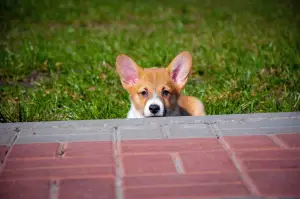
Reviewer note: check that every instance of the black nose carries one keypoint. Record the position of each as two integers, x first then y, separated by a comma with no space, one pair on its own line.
154,108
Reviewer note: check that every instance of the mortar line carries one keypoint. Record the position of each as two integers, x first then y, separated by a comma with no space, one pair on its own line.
177,163
213,130
3,163
248,182
278,141
165,130
54,189
118,163
238,165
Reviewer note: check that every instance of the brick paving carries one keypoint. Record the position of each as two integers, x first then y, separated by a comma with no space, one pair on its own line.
230,156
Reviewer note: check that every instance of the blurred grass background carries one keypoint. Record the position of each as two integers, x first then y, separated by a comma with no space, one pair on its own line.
57,58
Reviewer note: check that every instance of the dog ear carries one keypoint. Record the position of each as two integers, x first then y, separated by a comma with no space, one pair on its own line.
128,70
180,68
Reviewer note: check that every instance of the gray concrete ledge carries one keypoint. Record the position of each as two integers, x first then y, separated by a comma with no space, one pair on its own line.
150,128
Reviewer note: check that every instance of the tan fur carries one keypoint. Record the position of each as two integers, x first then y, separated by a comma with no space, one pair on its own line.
155,80
191,105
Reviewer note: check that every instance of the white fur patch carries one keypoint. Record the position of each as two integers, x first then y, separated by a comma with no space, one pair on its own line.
154,100
133,113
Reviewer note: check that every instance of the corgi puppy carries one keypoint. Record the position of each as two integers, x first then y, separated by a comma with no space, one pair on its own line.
155,92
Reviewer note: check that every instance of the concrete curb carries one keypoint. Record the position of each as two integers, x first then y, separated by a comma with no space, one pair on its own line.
150,128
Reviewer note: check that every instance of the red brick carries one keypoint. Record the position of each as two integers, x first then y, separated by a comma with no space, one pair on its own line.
272,164
250,142
58,173
172,192
44,150
278,154
142,164
173,145
3,151
194,179
292,140
88,148
24,189
206,161
87,188
277,183
59,162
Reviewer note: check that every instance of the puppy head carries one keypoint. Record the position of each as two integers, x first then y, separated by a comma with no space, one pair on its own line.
154,91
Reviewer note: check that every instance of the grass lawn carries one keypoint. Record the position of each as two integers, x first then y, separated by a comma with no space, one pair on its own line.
57,57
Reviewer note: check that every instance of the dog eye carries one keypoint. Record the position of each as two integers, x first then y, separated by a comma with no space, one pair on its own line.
144,93
165,93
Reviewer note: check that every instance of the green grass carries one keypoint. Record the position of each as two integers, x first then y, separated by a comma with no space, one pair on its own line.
246,54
